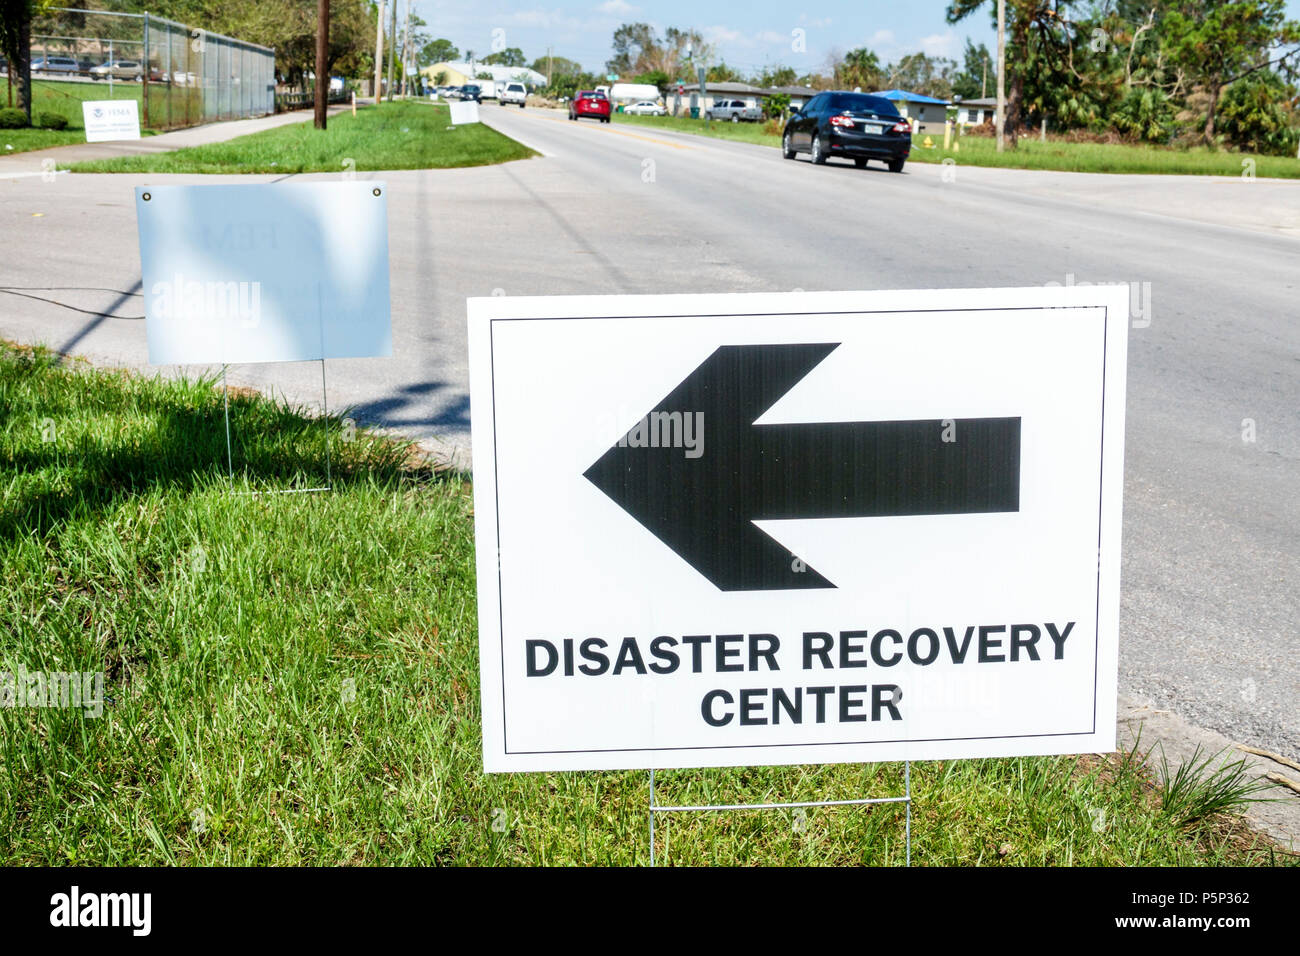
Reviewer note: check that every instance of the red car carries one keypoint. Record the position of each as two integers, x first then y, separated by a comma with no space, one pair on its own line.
590,103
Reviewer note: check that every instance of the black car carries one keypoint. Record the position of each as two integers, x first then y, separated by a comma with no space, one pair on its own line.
471,91
858,126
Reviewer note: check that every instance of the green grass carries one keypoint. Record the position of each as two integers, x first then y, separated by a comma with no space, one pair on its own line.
294,678
1104,158
738,132
399,135
64,98
1030,153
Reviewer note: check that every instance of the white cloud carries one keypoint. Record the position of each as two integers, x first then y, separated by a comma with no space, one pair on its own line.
617,7
881,38
939,44
721,34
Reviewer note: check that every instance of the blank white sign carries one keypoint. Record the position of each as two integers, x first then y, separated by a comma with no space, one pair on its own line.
108,120
462,113
268,272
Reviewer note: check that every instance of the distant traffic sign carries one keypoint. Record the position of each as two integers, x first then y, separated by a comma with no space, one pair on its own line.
812,527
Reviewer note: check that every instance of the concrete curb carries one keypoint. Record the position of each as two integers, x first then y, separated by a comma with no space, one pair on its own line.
1164,731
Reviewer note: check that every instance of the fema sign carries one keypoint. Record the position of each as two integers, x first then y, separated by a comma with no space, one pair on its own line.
797,528
108,120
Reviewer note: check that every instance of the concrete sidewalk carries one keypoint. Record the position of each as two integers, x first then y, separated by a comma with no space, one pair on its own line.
32,162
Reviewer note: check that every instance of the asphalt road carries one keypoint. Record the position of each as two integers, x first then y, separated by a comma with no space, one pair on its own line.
1211,525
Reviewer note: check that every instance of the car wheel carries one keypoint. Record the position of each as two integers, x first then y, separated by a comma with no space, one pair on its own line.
818,157
860,163
787,149
521,105
896,165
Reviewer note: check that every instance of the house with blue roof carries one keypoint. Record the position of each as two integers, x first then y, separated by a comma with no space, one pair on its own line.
927,113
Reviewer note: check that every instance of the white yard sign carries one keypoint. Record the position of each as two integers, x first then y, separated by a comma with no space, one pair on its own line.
268,272
797,528
108,120
463,112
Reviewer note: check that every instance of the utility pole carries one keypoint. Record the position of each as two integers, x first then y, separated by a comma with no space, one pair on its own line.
379,49
1002,74
406,51
322,61
392,49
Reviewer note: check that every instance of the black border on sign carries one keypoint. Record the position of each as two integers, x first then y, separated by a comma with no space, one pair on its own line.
496,490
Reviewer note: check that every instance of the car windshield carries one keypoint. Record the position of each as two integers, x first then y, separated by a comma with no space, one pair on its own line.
862,103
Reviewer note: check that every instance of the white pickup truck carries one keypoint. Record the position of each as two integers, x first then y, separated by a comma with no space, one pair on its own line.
734,110
513,93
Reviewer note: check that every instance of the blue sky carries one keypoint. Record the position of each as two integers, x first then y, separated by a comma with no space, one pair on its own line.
747,35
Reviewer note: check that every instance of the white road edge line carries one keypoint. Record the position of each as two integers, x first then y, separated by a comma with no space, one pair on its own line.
522,142
38,172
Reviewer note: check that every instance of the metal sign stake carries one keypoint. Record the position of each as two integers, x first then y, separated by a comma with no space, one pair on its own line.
791,805
325,424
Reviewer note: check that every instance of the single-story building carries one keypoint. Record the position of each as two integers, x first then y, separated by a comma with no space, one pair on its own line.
977,112
690,96
928,114
459,73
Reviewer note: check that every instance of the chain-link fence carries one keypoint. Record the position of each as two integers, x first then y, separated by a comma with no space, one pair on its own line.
181,75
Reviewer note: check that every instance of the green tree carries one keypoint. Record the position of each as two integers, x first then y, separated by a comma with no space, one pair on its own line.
860,68
657,78
721,73
631,42
437,51
1145,113
777,76
510,56
776,105
16,44
919,73
1254,115
556,66
978,75
639,49
1217,42
1036,32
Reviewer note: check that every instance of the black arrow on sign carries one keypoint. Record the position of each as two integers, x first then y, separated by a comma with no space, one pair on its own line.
703,507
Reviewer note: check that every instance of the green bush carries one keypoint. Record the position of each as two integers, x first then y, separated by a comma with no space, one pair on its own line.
51,121
1252,116
1146,114
11,118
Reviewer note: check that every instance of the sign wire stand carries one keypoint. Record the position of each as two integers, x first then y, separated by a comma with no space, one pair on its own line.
792,805
325,418
230,466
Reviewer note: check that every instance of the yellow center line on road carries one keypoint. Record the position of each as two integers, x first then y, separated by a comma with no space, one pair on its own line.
618,132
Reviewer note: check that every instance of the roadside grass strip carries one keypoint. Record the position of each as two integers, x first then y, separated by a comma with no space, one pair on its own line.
1054,154
398,135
